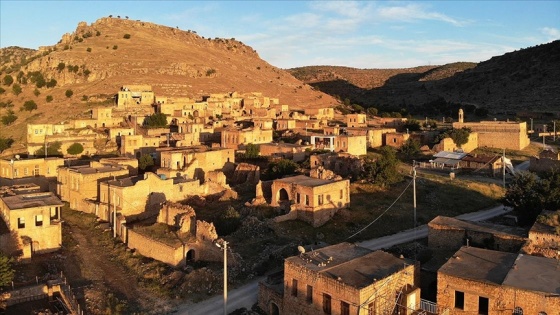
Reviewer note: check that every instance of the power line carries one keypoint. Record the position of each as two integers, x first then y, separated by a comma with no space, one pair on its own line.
372,222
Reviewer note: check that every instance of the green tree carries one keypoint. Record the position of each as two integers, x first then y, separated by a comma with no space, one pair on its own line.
372,111
53,149
6,271
69,93
251,151
5,143
61,66
9,118
281,168
412,125
36,92
29,105
49,98
52,83
526,194
228,221
75,149
126,36
16,89
145,162
2,90
8,80
460,136
156,120
382,171
411,148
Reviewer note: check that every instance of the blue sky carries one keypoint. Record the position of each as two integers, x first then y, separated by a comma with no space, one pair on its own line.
362,34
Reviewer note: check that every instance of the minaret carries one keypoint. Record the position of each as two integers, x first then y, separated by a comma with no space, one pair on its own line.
461,115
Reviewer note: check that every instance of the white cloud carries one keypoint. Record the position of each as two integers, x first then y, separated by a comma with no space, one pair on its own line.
414,12
551,33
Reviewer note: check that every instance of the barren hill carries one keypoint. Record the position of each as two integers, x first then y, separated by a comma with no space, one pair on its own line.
96,60
524,80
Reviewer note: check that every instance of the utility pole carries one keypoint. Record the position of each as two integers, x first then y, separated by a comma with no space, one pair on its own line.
504,168
114,215
531,124
543,137
554,130
224,244
414,205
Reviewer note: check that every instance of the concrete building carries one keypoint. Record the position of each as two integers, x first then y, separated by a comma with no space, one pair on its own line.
312,200
22,168
131,96
481,281
33,219
343,279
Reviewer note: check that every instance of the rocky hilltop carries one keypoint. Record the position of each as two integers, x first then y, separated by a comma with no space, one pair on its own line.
524,80
95,60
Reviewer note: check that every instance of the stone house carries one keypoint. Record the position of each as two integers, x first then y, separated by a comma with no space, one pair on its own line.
543,236
343,279
356,120
131,96
291,151
343,164
285,124
446,233
491,165
194,162
312,200
497,134
79,184
33,167
236,139
189,240
320,113
355,145
137,145
447,144
39,135
395,139
387,122
33,219
482,281
374,137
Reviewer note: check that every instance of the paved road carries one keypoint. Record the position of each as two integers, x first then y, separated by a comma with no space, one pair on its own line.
246,295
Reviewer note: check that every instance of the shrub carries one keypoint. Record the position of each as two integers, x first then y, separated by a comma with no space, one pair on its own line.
5,143
66,47
88,49
52,83
69,93
126,36
16,88
210,72
29,105
9,118
98,33
75,149
49,98
86,72
2,90
84,98
115,47
8,80
36,92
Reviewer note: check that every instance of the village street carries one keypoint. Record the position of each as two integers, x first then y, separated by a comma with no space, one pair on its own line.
246,295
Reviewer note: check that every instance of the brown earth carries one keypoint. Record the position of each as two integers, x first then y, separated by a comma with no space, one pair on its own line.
173,61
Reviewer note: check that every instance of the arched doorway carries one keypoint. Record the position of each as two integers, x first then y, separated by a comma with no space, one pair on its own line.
283,195
274,309
190,255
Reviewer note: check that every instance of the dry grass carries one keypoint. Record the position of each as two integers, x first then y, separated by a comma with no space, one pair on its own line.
515,155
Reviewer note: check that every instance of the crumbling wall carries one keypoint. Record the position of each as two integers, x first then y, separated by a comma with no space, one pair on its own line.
179,216
246,173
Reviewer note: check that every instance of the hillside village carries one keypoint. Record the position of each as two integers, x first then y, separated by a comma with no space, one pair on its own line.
145,156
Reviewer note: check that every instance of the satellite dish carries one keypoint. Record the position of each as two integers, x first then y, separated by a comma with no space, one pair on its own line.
17,156
301,249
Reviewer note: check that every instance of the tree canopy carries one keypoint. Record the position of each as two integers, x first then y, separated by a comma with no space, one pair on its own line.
6,271
382,171
29,105
75,149
145,162
251,151
529,194
53,149
156,120
281,168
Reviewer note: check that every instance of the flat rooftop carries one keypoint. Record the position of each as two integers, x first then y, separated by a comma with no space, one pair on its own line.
353,265
495,229
86,169
532,273
31,200
303,180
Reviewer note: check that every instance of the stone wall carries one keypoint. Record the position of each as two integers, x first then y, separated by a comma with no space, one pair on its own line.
146,246
502,299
